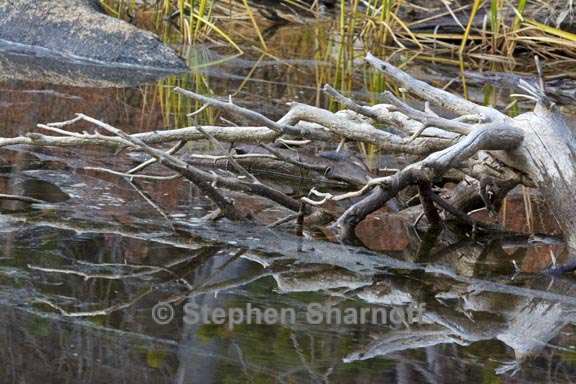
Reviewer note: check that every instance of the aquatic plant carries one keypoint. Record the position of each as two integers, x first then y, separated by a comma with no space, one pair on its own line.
490,35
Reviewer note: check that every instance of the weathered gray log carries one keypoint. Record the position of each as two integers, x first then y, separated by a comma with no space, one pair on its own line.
539,145
548,156
535,149
79,29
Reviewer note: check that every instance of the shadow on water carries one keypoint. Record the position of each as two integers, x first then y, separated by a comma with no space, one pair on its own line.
81,274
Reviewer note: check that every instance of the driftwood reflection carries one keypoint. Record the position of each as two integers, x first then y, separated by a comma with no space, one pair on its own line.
523,311
461,315
464,305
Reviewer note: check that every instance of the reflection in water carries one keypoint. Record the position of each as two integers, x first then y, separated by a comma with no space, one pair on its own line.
64,261
97,249
27,63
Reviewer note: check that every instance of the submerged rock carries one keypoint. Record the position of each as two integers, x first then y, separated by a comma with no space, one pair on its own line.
79,29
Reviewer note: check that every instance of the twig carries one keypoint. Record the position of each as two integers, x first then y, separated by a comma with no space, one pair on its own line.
152,203
239,168
349,103
428,120
284,220
149,162
437,96
24,199
199,178
98,312
234,109
132,176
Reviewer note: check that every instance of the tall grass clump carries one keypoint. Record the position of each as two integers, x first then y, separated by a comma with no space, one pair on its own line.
444,31
176,21
183,24
485,29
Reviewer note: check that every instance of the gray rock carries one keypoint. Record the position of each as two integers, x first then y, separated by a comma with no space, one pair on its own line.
79,29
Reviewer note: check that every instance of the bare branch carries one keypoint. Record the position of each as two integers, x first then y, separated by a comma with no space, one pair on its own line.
198,177
349,125
437,96
132,176
24,199
278,127
233,109
428,120
497,137
149,162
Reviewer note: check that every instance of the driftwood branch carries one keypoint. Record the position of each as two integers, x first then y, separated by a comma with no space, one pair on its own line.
207,182
475,142
436,96
196,176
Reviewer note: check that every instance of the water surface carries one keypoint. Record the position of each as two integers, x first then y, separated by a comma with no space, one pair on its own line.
81,275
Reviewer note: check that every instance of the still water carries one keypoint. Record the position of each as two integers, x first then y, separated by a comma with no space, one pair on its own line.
81,277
